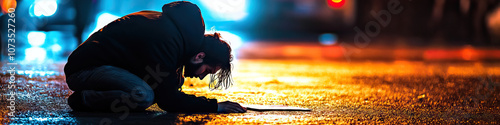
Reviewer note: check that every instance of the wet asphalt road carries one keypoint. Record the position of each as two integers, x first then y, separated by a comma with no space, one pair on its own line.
393,92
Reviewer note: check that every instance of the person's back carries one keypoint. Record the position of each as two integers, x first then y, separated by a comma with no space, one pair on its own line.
132,42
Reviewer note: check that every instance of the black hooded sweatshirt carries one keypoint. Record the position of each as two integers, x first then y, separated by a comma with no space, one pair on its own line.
152,45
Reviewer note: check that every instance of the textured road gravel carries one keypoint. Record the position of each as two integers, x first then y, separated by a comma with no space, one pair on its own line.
392,92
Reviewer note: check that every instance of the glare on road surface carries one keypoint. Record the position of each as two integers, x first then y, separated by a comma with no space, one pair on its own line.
337,92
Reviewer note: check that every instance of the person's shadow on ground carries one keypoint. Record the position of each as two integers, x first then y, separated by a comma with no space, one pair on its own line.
146,117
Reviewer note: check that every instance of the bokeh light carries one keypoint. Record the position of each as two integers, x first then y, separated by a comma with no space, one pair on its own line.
234,40
7,4
227,10
36,38
335,3
56,48
328,39
102,20
44,7
35,54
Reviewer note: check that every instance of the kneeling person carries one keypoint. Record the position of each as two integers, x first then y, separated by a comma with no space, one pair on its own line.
142,58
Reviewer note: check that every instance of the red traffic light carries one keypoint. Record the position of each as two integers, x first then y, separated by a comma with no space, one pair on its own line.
335,3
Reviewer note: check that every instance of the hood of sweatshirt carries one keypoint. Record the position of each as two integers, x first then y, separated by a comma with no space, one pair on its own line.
189,22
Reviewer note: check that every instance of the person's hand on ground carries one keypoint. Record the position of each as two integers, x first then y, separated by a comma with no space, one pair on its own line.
230,107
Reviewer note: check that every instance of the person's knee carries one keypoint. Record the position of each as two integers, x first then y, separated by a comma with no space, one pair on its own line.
107,69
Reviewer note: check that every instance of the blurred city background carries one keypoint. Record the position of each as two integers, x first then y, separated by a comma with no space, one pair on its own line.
350,61
48,30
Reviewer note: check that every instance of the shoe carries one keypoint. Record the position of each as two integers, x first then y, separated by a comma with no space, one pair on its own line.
75,101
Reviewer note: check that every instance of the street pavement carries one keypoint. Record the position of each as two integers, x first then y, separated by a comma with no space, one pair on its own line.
372,92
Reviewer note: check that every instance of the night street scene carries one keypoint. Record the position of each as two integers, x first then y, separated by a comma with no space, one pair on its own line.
250,62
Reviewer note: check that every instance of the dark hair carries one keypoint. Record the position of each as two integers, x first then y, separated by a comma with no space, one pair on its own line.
218,53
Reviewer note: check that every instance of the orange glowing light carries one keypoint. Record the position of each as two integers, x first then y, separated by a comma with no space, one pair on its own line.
8,5
335,3
468,53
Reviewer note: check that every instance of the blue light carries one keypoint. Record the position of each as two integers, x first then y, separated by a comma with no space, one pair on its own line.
227,10
56,48
36,38
328,39
44,7
35,54
34,72
20,72
233,39
54,44
103,19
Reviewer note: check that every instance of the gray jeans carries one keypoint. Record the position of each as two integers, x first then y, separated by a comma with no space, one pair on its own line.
110,89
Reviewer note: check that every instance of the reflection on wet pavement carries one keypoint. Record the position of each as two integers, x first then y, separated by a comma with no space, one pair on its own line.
392,92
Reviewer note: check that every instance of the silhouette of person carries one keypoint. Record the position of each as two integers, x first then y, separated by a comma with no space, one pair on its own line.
142,58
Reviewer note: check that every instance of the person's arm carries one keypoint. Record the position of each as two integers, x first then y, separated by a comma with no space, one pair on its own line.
170,99
177,101
230,107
